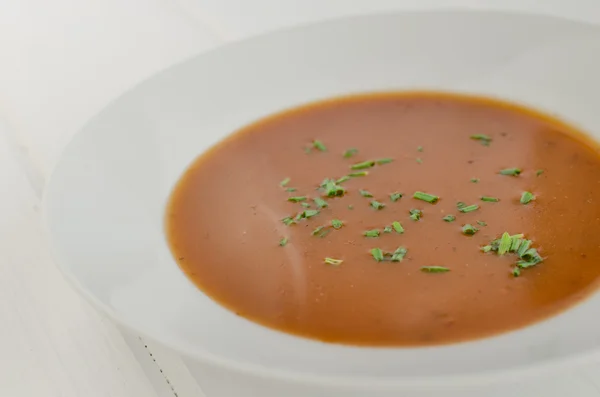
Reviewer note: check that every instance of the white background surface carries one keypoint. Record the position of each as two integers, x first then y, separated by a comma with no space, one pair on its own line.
60,62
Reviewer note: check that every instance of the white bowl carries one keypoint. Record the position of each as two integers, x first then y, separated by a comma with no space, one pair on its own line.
105,202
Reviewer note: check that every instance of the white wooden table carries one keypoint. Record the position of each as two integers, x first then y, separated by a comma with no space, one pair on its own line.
60,62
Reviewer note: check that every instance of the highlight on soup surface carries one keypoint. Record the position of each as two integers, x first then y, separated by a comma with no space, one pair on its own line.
395,219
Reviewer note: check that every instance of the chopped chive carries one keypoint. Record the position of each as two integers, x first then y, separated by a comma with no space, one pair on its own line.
539,172
288,220
283,242
399,254
337,224
350,152
358,174
510,171
384,160
449,218
377,254
365,193
377,205
363,165
505,244
395,196
387,229
371,233
484,139
486,248
516,271
317,230
296,199
350,207
285,182
333,262
305,205
489,199
419,160
319,145
460,205
415,214
524,247
527,197
331,188
419,148
291,189
516,244
481,223
343,179
310,213
469,230
320,203
398,227
430,198
475,180
434,269
469,208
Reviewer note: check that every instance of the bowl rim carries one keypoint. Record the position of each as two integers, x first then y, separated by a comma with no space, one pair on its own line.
251,369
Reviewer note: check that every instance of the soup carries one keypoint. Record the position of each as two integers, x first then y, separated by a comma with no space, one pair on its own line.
396,219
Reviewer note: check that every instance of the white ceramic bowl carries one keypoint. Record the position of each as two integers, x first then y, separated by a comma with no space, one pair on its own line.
105,202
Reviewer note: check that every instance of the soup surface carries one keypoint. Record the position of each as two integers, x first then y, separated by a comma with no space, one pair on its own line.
393,219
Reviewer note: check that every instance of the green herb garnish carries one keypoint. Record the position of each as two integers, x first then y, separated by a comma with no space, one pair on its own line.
283,242
385,160
285,182
387,229
415,214
481,223
343,179
331,188
320,203
490,199
291,189
333,262
350,152
419,160
377,254
460,205
527,197
305,205
484,139
469,208
377,205
475,180
539,172
395,197
516,271
449,218
365,193
371,233
288,220
419,148
398,227
337,224
358,174
505,244
399,254
434,269
510,171
296,199
430,198
363,165
469,230
317,230
319,145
